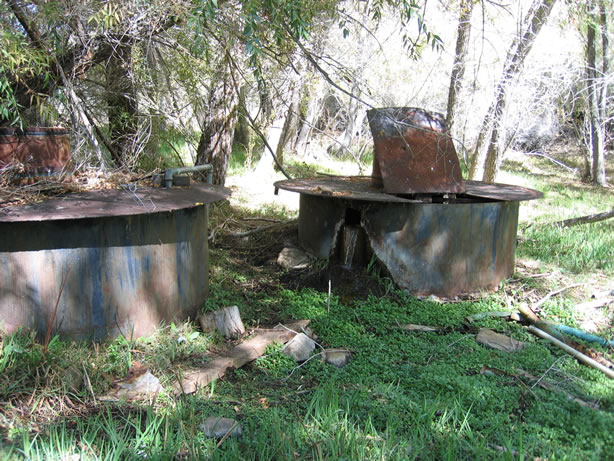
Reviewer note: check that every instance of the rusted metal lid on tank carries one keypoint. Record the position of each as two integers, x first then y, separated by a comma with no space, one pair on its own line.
361,188
129,200
501,192
341,187
413,152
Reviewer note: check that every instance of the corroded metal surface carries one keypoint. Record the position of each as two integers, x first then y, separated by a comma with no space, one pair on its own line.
413,152
41,150
129,200
319,221
125,273
341,187
444,250
360,188
506,192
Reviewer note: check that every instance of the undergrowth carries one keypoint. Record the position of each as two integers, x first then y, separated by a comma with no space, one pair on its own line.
403,395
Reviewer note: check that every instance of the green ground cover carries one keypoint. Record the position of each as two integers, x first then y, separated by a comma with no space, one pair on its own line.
403,395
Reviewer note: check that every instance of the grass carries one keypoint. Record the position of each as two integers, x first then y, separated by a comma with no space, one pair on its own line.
404,395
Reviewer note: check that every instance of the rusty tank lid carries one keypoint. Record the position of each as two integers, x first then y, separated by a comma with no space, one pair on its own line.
361,188
129,200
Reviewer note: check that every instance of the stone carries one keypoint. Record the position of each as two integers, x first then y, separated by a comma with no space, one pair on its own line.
216,427
300,347
140,384
293,258
337,357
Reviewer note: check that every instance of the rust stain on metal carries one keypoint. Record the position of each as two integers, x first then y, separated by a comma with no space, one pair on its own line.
440,235
506,192
42,151
413,152
342,187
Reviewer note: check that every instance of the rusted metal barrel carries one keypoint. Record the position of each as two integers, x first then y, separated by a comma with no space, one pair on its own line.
413,152
132,259
42,151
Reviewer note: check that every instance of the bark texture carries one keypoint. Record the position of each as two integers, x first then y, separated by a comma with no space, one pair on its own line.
217,133
492,127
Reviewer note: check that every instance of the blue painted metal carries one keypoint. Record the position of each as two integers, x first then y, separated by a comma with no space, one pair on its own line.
125,273
444,249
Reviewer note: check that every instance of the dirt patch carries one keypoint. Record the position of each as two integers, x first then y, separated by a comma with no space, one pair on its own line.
347,283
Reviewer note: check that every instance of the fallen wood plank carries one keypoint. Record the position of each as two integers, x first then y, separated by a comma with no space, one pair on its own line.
241,354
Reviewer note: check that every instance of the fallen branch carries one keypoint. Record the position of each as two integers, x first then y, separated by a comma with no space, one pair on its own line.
601,302
585,219
554,293
571,351
538,382
260,229
482,315
553,160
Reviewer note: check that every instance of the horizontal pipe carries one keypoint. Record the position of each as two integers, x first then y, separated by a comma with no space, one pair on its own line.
169,173
573,352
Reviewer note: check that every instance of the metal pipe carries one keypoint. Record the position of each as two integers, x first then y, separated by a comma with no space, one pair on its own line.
169,173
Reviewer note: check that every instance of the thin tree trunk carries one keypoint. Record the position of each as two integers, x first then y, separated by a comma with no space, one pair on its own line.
596,129
458,69
122,105
605,60
215,144
290,126
315,98
532,24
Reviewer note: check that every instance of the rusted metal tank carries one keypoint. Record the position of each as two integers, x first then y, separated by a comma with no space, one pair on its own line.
132,259
431,231
42,151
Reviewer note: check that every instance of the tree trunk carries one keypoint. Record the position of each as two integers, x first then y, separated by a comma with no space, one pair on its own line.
217,132
122,106
596,129
355,118
315,99
458,69
605,66
532,24
290,126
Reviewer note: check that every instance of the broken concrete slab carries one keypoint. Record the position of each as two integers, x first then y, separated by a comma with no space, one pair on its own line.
140,384
216,427
337,357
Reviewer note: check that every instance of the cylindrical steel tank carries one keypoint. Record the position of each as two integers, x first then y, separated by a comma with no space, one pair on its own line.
132,259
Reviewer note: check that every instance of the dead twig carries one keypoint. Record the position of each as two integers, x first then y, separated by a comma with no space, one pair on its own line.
260,229
554,293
